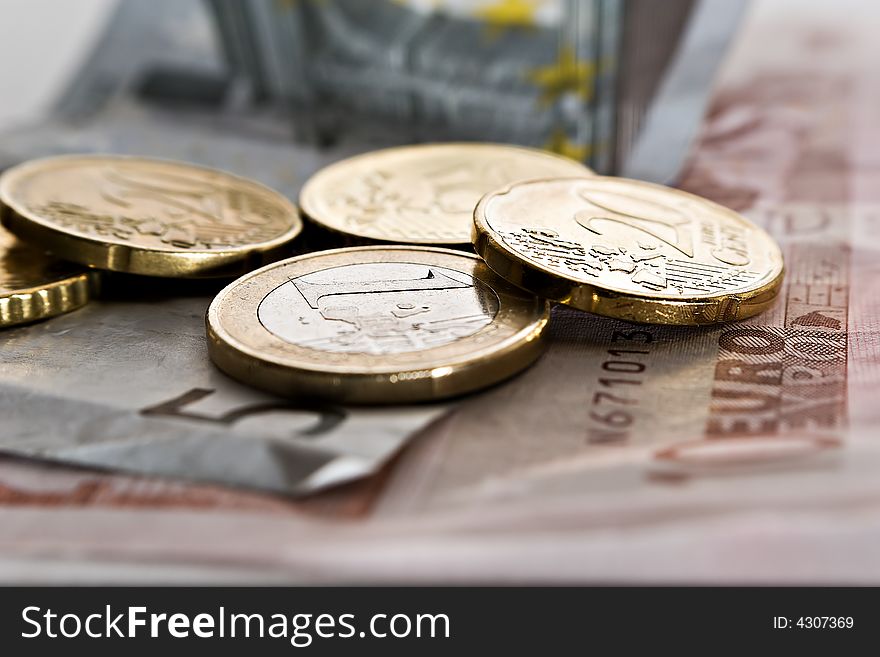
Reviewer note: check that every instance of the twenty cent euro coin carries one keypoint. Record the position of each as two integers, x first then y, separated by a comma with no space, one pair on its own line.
628,249
145,216
35,285
423,194
375,325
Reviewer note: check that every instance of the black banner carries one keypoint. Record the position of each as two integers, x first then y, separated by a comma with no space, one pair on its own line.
434,621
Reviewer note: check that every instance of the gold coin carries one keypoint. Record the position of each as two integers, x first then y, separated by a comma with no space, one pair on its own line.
629,249
423,194
375,325
145,216
35,285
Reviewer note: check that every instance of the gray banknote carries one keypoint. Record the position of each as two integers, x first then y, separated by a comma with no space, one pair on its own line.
126,383
305,84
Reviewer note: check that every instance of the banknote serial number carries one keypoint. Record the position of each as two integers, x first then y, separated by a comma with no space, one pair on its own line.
813,623
619,385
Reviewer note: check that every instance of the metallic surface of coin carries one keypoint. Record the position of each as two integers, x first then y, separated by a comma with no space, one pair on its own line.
375,325
628,249
145,216
35,285
423,194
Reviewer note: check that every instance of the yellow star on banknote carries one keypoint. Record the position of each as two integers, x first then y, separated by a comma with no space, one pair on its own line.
507,14
568,75
561,144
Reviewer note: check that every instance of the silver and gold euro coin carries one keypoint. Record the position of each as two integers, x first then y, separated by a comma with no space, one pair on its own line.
629,249
375,325
421,194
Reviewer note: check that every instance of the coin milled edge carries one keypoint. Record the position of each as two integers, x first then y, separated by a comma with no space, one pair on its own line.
45,301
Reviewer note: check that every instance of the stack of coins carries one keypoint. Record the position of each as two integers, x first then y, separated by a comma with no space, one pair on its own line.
134,215
401,317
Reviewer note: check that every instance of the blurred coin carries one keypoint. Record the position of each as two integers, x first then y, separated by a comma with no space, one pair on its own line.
375,325
35,285
628,249
145,216
423,194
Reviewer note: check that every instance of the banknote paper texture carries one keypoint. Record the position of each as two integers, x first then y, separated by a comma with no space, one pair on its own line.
352,76
760,403
128,385
743,453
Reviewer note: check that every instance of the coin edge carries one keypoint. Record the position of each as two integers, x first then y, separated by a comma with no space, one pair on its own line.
312,216
143,261
44,302
627,306
516,353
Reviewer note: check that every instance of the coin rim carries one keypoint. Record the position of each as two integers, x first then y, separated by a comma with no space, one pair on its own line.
390,385
629,306
133,259
40,302
311,213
